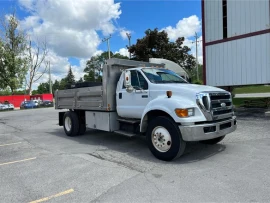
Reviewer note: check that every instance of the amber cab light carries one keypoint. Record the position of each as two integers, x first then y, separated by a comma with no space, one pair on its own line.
169,94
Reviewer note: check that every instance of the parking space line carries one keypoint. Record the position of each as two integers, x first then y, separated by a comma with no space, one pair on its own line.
10,144
13,162
53,196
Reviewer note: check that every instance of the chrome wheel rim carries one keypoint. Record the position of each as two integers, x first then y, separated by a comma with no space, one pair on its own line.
161,139
68,123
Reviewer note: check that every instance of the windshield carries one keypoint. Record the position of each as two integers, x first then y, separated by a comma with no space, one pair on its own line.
162,76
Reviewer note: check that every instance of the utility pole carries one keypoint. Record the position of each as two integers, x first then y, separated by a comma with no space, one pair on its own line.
196,36
197,41
50,82
129,36
108,44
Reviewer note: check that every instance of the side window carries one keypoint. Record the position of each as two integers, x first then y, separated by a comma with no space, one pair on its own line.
137,80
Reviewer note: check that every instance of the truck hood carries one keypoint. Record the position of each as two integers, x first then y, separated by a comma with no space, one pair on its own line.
188,88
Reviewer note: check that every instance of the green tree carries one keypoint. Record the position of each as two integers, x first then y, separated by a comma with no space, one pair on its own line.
13,66
80,80
156,44
193,74
62,84
90,76
70,78
5,92
37,67
56,85
19,92
43,88
34,92
94,66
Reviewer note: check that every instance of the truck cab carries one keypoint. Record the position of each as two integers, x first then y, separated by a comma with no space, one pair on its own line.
152,101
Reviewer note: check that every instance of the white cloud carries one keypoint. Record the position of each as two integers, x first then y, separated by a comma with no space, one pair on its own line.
184,28
187,28
29,23
123,33
59,69
123,51
70,28
98,52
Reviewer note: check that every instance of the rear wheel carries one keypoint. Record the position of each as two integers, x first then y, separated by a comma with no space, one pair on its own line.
213,141
71,123
164,139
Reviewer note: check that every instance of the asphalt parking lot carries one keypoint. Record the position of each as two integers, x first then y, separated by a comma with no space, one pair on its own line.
38,163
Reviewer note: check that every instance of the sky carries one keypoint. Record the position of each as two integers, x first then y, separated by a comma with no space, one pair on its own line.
73,30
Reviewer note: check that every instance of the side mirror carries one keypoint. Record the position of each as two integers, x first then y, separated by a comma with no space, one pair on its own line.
127,79
127,82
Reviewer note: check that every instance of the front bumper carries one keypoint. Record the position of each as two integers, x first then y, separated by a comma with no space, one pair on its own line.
208,131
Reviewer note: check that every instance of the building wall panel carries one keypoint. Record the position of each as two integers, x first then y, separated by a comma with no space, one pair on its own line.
213,20
237,62
245,16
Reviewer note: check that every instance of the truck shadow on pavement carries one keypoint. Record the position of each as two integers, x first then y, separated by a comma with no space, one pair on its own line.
106,145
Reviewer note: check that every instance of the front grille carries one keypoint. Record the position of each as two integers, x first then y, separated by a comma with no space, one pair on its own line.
221,104
216,113
215,105
218,96
206,102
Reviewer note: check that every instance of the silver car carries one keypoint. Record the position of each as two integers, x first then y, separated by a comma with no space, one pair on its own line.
3,107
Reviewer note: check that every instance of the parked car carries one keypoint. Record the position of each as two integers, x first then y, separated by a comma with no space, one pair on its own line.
3,107
9,105
28,105
47,103
37,102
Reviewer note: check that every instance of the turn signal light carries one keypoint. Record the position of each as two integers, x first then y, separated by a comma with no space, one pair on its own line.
184,112
181,112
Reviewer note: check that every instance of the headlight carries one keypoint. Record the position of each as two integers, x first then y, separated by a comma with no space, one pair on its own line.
184,112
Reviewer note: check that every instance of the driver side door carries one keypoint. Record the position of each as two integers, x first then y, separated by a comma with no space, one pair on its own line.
132,105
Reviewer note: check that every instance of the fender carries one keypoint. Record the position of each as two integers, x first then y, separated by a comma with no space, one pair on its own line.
168,106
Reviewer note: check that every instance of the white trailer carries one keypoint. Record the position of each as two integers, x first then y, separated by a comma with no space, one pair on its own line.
144,98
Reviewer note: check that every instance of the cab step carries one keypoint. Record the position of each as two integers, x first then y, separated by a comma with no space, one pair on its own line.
128,134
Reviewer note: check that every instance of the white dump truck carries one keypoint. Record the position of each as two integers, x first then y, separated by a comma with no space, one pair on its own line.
140,98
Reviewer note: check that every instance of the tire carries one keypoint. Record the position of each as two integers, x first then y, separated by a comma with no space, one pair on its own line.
171,145
71,123
213,141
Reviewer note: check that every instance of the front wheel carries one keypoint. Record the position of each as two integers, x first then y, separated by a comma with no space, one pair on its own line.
164,139
213,141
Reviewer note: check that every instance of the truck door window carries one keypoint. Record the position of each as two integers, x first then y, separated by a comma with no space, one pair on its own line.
138,81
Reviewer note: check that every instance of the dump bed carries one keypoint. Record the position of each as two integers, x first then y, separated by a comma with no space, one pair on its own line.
101,98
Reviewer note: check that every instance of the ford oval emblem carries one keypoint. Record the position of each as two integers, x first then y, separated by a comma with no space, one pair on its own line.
223,104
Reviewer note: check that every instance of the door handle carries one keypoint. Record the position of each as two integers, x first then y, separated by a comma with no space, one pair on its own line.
120,95
144,96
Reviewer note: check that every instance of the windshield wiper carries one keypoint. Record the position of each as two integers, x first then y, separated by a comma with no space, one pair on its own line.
177,81
170,81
